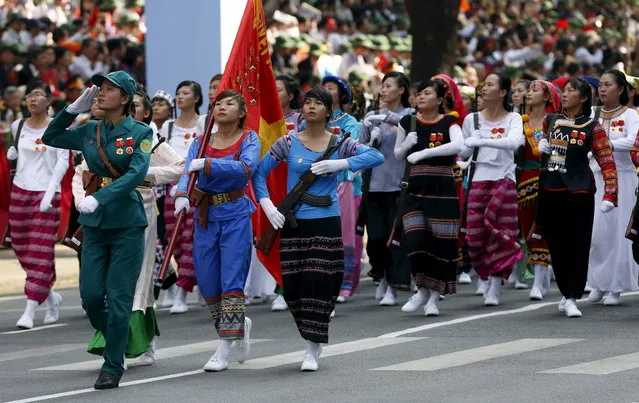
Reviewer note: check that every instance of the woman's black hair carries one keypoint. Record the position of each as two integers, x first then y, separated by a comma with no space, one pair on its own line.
292,88
526,84
402,82
584,89
39,85
197,91
620,80
240,100
217,77
146,103
505,83
440,90
325,97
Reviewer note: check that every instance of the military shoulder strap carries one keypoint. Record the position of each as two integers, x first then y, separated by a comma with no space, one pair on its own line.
17,138
597,113
171,124
103,156
413,123
476,120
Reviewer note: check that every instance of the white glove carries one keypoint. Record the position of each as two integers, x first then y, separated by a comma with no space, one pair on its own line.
197,164
606,206
374,120
84,102
473,142
410,140
543,146
376,137
418,156
173,191
12,154
88,205
329,166
463,165
276,218
589,155
182,203
45,203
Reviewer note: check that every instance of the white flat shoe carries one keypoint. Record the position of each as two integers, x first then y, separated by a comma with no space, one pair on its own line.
216,364
571,309
431,310
25,322
341,299
279,304
53,311
309,364
414,302
595,295
148,358
562,305
612,299
464,278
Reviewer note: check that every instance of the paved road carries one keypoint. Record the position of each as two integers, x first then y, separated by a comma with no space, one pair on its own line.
518,352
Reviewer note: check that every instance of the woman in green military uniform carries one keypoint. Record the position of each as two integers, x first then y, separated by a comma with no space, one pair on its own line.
117,151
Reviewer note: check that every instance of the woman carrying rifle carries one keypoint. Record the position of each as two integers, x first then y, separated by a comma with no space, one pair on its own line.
431,211
34,212
223,236
312,253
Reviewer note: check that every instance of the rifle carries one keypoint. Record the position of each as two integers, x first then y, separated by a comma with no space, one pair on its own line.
471,172
167,282
265,243
395,238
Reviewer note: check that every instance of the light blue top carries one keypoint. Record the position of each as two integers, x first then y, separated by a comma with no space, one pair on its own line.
299,158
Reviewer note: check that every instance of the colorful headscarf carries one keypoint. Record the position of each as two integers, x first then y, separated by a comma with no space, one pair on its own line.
452,93
553,105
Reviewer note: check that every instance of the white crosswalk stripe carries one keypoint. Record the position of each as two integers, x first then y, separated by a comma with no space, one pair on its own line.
606,366
478,354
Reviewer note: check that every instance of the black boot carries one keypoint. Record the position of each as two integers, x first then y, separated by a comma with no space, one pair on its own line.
106,381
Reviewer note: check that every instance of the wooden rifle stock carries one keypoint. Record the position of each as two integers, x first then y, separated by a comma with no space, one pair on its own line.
168,282
265,243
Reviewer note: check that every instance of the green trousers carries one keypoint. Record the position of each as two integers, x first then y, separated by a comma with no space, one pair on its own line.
111,263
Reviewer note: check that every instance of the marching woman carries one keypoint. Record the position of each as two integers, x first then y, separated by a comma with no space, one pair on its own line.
312,254
567,189
163,108
165,167
519,95
223,235
612,268
34,211
431,211
541,99
179,134
117,152
492,228
388,266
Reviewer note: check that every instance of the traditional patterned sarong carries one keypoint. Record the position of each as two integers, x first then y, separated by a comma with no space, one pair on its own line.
183,252
348,218
312,257
431,227
492,227
33,240
527,199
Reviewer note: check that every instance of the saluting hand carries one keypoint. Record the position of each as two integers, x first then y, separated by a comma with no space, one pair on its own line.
84,102
88,205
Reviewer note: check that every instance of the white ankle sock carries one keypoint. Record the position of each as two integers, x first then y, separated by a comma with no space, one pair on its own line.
223,349
424,293
312,348
434,297
31,307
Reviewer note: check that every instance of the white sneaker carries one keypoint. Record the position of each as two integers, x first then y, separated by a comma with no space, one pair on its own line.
390,298
535,294
416,300
588,288
595,295
431,310
482,287
341,299
179,305
381,289
464,278
126,367
168,298
309,364
148,358
562,305
243,347
279,304
519,285
612,299
216,364
492,295
332,314
571,309
53,311
25,321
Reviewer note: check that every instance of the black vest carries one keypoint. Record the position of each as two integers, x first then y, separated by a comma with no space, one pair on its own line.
429,136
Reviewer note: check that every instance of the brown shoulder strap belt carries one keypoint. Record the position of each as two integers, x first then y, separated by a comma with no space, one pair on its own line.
103,156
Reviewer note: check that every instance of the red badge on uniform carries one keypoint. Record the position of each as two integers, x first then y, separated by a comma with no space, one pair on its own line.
119,143
129,150
129,141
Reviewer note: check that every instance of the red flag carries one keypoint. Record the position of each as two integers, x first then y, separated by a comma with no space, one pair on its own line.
249,72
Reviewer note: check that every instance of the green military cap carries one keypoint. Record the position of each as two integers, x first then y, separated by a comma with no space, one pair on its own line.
120,78
344,48
537,62
4,45
356,77
286,42
512,71
361,40
394,40
134,3
317,48
108,5
128,18
381,43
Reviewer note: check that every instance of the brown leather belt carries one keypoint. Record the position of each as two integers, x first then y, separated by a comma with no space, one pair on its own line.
223,198
107,181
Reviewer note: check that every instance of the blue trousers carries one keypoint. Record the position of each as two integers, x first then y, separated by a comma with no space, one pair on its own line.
222,257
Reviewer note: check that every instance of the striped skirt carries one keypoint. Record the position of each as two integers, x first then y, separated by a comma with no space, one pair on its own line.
183,252
312,258
492,228
527,198
33,240
348,218
431,227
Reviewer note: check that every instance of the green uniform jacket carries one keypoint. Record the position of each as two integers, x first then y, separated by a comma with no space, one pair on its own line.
121,206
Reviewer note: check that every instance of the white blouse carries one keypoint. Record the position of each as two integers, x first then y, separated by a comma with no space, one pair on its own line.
181,137
622,131
38,164
496,160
